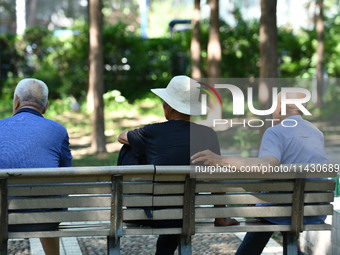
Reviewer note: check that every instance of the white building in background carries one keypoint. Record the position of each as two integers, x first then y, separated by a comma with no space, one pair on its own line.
20,9
15,15
294,13
61,13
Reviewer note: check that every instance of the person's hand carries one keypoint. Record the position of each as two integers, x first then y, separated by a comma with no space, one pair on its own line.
122,138
207,157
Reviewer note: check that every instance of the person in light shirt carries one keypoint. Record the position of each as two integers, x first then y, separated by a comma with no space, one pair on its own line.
303,143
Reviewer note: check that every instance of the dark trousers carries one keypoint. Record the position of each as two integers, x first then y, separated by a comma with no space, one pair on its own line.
167,244
254,243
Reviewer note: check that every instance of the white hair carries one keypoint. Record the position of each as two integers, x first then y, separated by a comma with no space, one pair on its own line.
32,91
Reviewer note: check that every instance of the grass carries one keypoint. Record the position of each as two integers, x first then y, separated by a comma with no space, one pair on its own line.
119,116
109,159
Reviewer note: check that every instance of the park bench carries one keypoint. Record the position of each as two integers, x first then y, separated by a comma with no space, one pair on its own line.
99,199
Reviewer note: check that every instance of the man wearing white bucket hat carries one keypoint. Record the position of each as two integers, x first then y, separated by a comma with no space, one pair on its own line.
173,142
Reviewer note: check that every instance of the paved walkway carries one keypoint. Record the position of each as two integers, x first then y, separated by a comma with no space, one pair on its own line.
68,246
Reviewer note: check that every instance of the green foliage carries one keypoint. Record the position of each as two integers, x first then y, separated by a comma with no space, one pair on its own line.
72,62
150,105
58,106
109,159
330,110
296,53
133,65
39,41
162,12
6,108
9,58
245,140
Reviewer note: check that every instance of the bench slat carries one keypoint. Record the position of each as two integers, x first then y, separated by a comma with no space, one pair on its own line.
258,198
242,186
76,171
76,201
81,179
174,188
38,190
137,188
178,188
257,186
232,199
86,188
97,230
65,216
226,212
72,216
134,214
257,227
243,211
261,211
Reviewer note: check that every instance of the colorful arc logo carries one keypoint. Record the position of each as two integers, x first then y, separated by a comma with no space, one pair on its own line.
204,96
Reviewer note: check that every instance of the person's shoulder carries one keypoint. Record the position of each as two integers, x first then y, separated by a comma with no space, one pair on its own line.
156,125
5,122
167,124
6,119
201,127
277,130
54,125
312,126
150,127
194,127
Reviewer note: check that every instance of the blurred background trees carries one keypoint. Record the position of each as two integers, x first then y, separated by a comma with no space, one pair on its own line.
95,101
268,57
55,45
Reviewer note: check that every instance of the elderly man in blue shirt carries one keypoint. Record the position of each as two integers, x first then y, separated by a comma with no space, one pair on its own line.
303,143
28,140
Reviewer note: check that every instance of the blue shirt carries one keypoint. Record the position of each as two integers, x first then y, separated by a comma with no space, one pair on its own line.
303,143
28,140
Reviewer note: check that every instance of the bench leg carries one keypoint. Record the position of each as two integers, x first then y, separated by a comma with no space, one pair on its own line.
3,248
184,247
112,247
290,244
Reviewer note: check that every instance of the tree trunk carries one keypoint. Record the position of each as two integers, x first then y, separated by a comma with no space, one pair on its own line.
30,12
214,44
268,57
319,52
96,85
195,43
214,57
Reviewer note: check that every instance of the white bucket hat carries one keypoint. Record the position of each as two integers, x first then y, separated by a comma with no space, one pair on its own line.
182,94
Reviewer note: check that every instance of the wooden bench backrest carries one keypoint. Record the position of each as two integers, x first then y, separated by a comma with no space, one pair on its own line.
90,195
93,194
242,193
